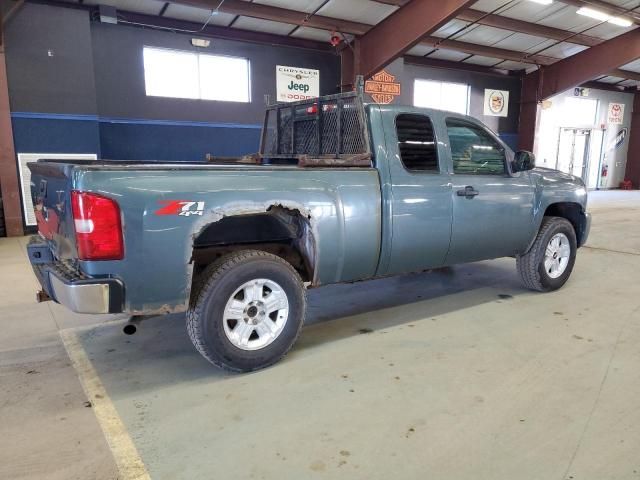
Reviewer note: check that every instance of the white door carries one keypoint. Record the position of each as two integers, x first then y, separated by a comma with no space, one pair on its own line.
573,152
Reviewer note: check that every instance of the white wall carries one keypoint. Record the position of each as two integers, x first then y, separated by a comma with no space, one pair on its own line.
554,114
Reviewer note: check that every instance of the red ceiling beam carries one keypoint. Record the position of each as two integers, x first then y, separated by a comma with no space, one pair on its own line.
448,65
266,12
223,32
602,5
588,64
277,14
403,29
605,7
625,74
493,52
506,23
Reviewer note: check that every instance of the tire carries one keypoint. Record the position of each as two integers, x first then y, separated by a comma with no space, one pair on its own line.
532,268
237,292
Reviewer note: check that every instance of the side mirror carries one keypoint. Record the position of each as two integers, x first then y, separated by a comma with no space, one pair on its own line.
523,161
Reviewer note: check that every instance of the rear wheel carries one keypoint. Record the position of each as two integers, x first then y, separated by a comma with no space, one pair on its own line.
549,263
246,310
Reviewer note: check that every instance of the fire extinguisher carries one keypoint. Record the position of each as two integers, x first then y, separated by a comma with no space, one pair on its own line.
604,171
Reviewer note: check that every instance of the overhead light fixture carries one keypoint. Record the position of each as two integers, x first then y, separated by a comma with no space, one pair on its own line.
604,17
620,21
200,42
542,2
597,14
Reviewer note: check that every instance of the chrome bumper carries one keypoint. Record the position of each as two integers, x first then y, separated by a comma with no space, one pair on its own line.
71,288
81,298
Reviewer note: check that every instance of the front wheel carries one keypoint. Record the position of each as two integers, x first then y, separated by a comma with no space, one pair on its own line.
246,311
549,262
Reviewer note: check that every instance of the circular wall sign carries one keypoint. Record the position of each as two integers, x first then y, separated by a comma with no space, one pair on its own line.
496,101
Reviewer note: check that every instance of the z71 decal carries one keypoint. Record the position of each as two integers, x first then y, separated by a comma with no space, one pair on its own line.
186,208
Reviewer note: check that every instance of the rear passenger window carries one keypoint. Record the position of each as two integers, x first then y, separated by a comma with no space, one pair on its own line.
416,142
473,150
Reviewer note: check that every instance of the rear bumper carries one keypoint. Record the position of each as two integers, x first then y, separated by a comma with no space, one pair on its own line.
72,289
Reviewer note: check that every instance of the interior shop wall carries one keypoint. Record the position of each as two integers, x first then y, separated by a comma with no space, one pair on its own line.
78,85
608,141
506,127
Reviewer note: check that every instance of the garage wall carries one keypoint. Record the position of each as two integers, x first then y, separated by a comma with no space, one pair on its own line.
78,86
506,127
169,128
51,83
609,142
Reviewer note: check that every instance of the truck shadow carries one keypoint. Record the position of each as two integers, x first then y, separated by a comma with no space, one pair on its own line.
161,353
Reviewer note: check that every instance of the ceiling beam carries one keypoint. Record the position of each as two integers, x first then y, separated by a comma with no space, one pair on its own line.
506,23
213,31
485,51
449,65
629,75
605,7
504,54
602,5
586,65
402,30
266,12
277,14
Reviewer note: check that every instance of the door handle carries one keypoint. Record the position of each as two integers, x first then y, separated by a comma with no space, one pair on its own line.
468,192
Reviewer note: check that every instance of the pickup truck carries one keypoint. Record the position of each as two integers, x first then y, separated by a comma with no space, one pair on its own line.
340,191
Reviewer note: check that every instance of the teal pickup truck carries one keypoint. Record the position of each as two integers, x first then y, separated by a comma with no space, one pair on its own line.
340,191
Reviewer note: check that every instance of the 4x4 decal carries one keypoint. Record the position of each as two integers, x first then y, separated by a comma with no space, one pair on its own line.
186,208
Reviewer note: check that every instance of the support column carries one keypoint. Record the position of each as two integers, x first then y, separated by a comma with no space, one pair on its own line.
632,171
349,65
528,112
8,169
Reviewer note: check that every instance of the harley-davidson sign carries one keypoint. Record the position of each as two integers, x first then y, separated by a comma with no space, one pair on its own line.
382,87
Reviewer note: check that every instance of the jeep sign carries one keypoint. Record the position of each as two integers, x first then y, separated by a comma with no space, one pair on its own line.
295,84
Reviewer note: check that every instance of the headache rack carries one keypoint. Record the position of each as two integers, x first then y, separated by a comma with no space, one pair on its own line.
319,132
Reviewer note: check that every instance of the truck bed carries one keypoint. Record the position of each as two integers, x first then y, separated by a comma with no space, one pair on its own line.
342,204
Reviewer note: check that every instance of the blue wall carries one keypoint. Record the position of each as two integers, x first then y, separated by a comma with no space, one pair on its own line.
126,139
175,141
36,133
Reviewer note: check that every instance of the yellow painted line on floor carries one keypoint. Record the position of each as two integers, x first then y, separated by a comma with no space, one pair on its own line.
128,461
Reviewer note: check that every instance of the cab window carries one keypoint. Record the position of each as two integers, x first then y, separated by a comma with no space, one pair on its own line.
473,150
416,143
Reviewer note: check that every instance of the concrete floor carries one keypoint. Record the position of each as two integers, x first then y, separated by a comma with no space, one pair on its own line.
460,374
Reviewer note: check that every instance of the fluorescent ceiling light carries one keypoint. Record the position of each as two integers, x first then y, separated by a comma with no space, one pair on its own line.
620,21
590,12
542,2
604,17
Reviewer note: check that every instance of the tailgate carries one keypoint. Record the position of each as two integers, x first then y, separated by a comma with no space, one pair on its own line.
51,184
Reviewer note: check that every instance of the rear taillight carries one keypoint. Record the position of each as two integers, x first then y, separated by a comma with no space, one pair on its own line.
98,227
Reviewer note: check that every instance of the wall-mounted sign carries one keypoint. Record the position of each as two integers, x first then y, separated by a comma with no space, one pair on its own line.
496,102
382,87
615,113
293,84
618,140
581,92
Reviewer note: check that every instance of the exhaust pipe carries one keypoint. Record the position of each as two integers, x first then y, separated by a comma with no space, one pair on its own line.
131,326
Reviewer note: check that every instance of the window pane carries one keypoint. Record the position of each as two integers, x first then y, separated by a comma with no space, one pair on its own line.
473,150
416,142
224,78
168,73
580,111
453,97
